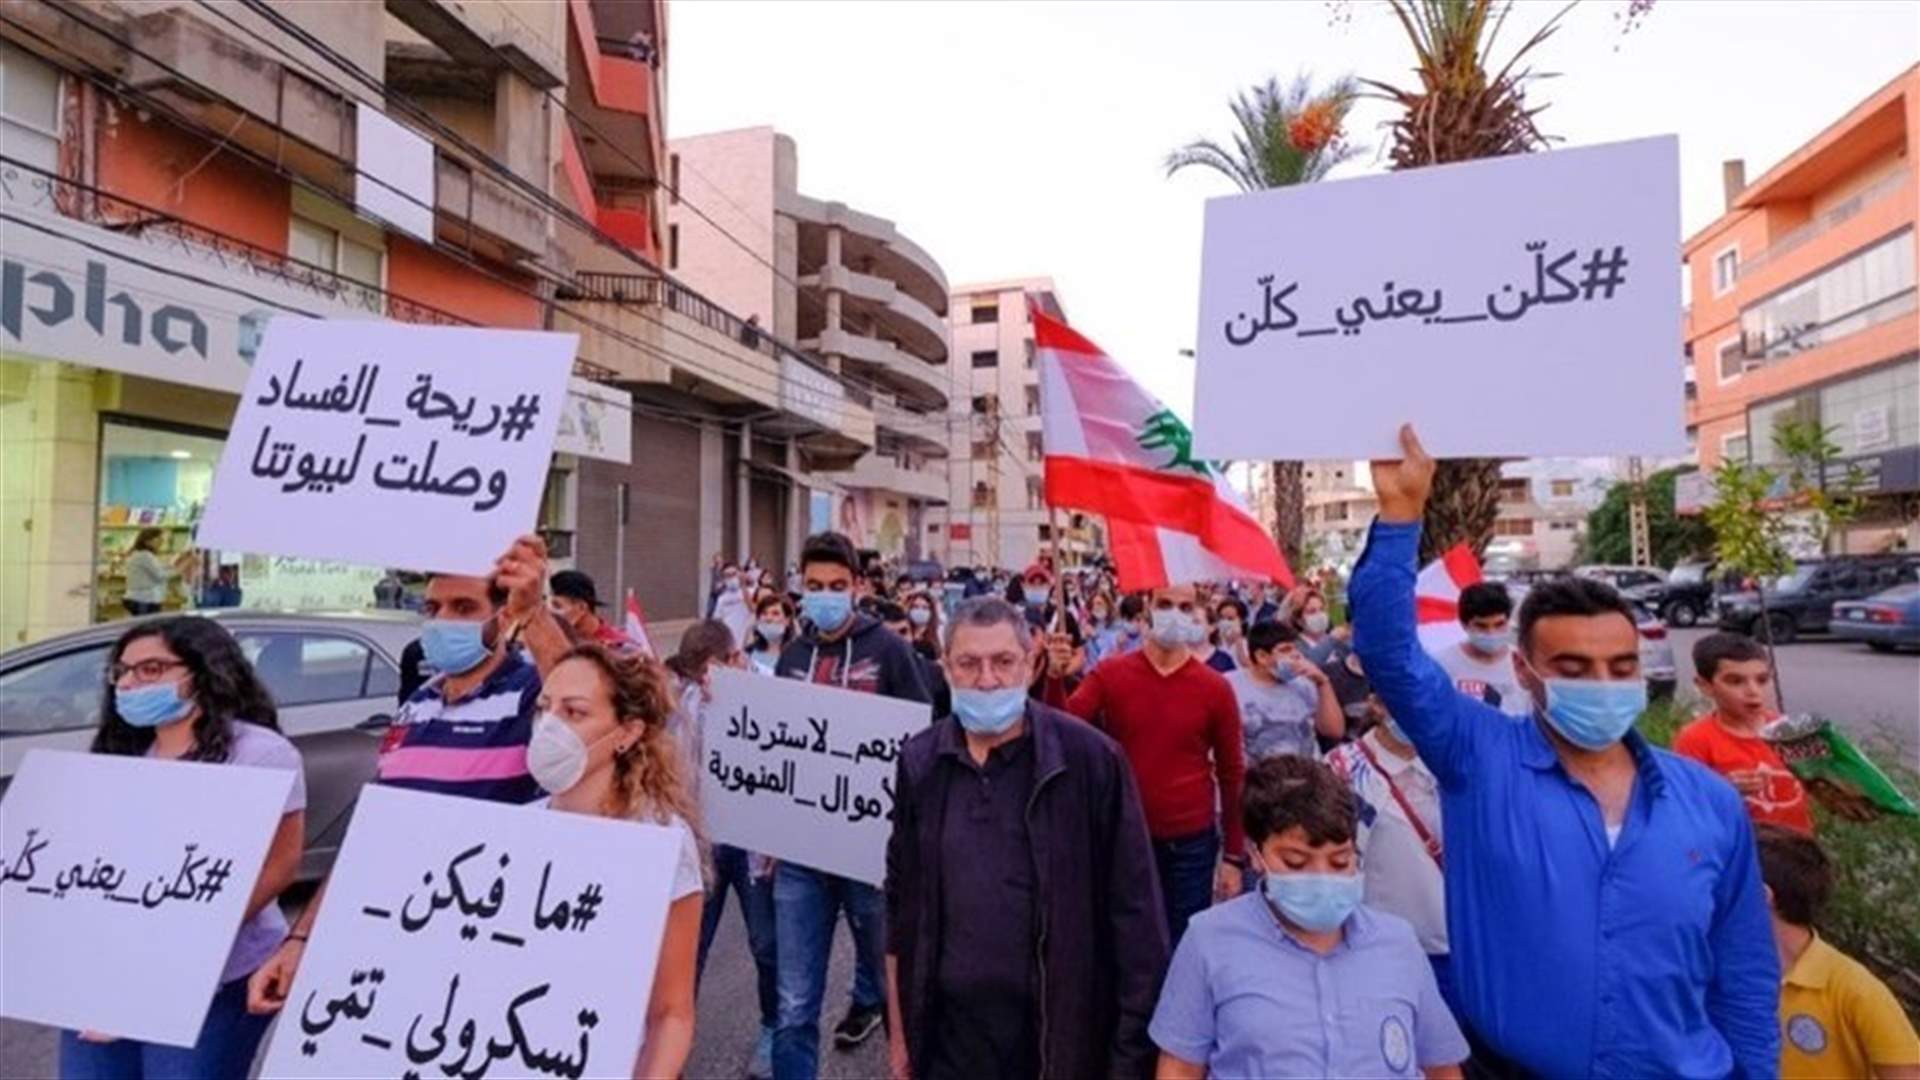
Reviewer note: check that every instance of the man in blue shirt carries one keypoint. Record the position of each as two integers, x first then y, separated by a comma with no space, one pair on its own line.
1604,900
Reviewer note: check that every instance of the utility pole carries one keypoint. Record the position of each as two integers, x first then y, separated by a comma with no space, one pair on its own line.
1640,536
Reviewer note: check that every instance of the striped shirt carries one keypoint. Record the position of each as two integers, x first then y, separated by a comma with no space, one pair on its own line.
476,747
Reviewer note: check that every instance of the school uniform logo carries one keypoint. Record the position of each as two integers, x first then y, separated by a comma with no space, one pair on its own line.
1396,1045
1805,1032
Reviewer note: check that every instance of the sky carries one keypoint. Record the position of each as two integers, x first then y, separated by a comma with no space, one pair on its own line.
1026,138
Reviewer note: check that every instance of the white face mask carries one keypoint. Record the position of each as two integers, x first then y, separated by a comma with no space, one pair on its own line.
555,755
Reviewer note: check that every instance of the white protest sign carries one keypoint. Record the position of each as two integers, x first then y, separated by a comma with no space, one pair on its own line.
803,773
457,934
390,444
123,881
1519,306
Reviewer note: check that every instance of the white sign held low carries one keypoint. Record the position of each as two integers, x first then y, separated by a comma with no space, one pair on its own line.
459,936
390,444
1519,306
803,773
122,885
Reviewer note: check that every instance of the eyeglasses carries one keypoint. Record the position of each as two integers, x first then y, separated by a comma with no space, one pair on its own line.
145,671
1007,666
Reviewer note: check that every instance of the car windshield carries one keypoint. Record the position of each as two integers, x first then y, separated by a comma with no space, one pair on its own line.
1685,574
1793,582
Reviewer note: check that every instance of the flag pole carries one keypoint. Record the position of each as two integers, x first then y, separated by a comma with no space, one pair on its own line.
1059,569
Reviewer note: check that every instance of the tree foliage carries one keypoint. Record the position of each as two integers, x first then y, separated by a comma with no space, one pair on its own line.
1610,533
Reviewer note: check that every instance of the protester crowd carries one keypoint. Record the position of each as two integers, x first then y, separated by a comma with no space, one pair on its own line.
1200,830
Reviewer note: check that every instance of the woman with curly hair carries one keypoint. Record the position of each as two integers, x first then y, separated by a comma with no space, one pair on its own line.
601,746
179,689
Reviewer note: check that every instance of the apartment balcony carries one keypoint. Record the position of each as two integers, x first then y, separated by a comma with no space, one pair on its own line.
914,381
923,433
629,220
1870,214
878,472
613,82
673,344
867,243
528,38
917,327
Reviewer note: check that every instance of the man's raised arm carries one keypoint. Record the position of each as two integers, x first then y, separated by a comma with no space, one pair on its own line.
1419,695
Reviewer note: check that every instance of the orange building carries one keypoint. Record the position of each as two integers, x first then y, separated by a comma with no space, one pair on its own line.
1803,307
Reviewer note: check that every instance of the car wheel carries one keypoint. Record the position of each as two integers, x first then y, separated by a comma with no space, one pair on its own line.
1681,613
1880,646
1777,628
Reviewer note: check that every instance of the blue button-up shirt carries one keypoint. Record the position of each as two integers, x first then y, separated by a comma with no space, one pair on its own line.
1244,998
1652,956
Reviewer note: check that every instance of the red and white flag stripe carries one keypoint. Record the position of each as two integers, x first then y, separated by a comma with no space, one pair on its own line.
1436,597
1115,450
636,625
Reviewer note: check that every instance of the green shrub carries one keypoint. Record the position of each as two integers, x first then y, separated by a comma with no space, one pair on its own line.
1874,915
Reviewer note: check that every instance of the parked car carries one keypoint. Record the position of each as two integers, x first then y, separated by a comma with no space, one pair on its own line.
1687,595
1886,620
1801,602
335,679
1625,578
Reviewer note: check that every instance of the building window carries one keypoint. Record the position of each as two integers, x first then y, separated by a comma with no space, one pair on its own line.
1033,401
673,176
1034,450
29,108
1036,494
1562,489
1029,344
986,358
982,495
1733,447
933,527
1869,288
1513,527
310,242
673,247
1046,534
982,449
1726,270
1513,491
986,404
987,311
1336,512
1732,360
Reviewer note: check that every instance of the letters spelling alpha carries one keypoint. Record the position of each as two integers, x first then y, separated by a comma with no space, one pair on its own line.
172,327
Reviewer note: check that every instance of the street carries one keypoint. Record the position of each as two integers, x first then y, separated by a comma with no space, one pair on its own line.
1872,696
728,1021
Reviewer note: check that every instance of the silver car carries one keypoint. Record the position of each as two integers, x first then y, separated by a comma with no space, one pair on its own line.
335,678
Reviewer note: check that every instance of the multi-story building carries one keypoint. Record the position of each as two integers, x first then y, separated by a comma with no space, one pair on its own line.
1544,503
195,168
1803,307
997,514
847,287
1338,505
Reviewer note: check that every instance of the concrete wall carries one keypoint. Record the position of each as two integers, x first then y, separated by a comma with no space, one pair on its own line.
731,175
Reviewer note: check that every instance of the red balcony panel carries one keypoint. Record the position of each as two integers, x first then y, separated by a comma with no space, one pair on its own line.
631,228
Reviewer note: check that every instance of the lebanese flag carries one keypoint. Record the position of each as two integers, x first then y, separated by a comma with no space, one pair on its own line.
636,625
1113,449
1436,598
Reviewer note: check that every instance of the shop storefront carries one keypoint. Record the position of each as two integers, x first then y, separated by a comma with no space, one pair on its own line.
121,361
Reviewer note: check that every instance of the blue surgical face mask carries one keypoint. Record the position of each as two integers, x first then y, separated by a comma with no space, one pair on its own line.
772,631
1283,670
919,616
1171,627
1490,641
1037,595
826,609
989,712
453,646
153,705
1593,714
1315,902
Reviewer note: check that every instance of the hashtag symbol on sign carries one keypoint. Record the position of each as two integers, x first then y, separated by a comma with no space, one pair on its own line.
216,879
520,416
1604,272
585,906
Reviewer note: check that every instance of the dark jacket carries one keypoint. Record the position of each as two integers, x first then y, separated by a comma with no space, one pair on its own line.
1100,938
869,658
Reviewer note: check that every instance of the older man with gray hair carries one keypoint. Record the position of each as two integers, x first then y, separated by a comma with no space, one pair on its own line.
1024,928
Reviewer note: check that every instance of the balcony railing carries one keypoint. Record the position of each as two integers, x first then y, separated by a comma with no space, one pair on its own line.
1832,218
659,291
22,184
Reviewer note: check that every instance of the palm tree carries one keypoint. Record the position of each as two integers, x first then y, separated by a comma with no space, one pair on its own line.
1282,137
1459,112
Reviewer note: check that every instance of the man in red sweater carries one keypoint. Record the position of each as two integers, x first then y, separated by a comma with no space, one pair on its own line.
1178,722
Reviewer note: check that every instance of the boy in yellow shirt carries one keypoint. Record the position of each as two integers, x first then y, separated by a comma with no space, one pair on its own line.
1836,1019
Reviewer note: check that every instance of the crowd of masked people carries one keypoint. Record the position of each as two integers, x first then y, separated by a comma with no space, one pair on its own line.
1193,831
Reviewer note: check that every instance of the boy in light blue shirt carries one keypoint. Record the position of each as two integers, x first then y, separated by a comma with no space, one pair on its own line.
1297,979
